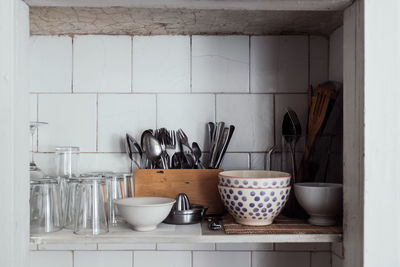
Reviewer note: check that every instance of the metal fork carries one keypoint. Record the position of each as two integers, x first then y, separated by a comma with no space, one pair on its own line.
184,139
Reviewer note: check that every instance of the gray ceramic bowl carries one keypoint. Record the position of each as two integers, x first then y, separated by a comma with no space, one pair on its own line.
322,201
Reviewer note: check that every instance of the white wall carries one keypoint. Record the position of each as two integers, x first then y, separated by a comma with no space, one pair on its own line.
94,89
382,69
336,55
14,190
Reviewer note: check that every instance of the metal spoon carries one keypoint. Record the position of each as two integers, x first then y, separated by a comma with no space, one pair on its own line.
197,154
153,149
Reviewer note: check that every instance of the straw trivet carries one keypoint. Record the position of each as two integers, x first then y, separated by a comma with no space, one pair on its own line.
281,225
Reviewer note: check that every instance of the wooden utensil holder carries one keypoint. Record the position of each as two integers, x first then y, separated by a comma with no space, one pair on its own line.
200,185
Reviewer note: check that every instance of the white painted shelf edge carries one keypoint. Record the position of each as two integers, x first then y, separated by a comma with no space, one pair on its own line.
165,233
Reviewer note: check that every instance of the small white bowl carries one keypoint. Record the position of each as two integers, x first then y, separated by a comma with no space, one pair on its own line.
144,213
254,179
322,201
251,206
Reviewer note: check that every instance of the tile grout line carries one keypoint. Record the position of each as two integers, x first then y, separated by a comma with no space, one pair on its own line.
156,95
273,121
309,60
251,258
97,122
215,108
37,119
191,64
131,64
72,67
249,84
192,260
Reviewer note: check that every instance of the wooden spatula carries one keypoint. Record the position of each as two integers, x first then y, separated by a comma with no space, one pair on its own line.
316,118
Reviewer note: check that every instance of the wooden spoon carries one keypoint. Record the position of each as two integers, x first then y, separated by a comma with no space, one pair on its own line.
316,118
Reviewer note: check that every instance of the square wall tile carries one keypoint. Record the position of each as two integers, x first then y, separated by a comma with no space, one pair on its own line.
318,72
102,63
102,258
235,161
220,64
293,64
50,64
258,161
50,258
186,246
123,113
252,116
161,64
33,109
245,246
264,58
319,47
189,112
221,259
162,258
336,55
297,102
72,121
320,259
281,259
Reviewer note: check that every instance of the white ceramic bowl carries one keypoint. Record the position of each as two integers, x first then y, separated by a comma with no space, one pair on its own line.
250,206
144,213
254,179
322,201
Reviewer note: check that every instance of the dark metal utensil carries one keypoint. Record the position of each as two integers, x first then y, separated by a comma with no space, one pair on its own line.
225,146
218,136
197,154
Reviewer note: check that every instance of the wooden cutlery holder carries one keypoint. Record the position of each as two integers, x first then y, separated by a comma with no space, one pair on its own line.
200,185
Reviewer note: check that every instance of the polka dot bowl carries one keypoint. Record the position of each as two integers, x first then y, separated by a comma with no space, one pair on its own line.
250,206
254,179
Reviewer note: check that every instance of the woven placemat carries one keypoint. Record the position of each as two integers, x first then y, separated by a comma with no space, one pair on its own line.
281,225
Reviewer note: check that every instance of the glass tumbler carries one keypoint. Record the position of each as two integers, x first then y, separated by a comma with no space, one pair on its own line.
90,216
71,202
114,189
67,161
45,212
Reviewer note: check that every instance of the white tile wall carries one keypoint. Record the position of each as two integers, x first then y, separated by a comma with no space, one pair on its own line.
336,55
102,258
235,161
258,161
264,58
102,64
50,258
319,60
191,112
253,117
161,64
221,259
293,64
72,121
50,64
119,114
162,258
280,259
220,64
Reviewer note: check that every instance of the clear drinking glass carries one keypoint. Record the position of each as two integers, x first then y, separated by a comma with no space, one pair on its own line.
67,161
114,188
71,202
35,171
90,216
45,213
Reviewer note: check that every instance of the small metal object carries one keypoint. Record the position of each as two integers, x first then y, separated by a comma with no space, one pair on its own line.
184,213
214,223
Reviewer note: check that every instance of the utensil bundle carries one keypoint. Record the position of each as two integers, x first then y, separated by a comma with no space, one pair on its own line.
219,138
165,149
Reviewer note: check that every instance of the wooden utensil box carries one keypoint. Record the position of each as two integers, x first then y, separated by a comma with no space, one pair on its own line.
200,185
